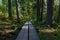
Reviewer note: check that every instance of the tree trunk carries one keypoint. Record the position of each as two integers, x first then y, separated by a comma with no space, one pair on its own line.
38,11
49,12
41,9
58,17
40,4
17,13
9,9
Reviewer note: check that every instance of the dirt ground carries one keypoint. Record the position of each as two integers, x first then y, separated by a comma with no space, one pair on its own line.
48,34
7,34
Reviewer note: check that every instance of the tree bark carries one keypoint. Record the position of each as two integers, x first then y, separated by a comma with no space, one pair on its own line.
41,9
9,9
17,13
49,12
58,17
38,10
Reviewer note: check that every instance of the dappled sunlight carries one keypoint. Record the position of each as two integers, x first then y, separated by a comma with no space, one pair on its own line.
48,34
25,27
48,30
10,30
6,31
28,22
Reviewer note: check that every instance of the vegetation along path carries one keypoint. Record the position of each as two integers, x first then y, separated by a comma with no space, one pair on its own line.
28,32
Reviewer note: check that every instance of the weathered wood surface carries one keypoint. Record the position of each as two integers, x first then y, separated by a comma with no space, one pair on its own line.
32,33
23,34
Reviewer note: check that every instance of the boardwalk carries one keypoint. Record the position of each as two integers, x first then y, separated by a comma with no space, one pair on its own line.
24,35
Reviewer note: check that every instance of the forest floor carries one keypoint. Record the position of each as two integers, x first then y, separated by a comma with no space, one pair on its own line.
48,34
8,34
9,30
44,33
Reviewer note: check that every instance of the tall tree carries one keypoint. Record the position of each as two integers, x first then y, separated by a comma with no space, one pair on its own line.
49,12
38,11
9,9
41,9
40,4
58,17
17,12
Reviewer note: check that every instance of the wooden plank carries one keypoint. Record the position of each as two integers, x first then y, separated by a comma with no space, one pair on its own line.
23,34
32,33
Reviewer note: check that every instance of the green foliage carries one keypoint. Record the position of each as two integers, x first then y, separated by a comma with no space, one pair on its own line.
27,10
